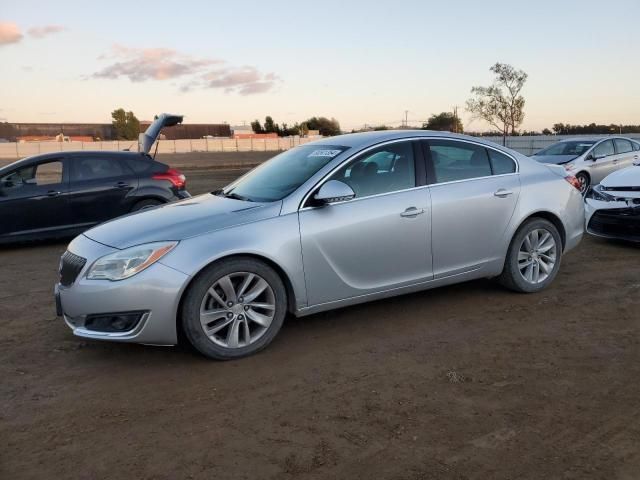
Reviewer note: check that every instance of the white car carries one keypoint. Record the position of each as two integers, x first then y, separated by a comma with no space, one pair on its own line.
613,208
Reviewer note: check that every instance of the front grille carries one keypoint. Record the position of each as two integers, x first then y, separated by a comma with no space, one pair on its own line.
70,267
617,222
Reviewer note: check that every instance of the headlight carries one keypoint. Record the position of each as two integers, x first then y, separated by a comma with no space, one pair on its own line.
126,263
569,166
596,193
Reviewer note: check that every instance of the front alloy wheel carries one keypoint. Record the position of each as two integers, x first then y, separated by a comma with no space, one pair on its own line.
237,309
234,308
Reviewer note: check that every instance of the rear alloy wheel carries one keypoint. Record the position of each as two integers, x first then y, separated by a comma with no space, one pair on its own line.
533,258
583,178
234,309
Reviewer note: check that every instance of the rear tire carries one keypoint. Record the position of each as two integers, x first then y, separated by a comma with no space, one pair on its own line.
533,258
148,203
234,308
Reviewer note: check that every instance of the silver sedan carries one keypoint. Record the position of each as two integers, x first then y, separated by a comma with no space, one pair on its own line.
332,223
590,160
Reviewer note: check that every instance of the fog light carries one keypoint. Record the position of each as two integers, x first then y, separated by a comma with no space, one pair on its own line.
113,322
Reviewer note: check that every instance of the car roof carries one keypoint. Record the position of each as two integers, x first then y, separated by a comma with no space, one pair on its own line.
364,139
70,154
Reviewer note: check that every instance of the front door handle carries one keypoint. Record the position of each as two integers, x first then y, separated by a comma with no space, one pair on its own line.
502,193
122,184
412,212
53,193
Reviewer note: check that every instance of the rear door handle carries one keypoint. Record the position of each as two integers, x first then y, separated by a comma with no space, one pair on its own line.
53,193
412,212
502,193
122,184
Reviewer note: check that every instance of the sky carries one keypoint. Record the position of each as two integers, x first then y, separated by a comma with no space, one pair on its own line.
362,62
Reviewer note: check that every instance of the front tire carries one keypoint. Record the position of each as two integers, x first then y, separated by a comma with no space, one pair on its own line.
533,258
234,308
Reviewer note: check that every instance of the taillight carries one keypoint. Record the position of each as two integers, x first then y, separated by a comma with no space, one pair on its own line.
573,181
174,176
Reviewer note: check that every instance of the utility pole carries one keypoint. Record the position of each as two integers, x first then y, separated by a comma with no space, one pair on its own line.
406,118
455,119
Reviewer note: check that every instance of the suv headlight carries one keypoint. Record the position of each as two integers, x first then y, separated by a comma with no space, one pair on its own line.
596,193
128,262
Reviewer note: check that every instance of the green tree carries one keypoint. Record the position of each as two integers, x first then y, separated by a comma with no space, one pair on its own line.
256,127
269,125
445,122
546,131
500,104
327,128
125,125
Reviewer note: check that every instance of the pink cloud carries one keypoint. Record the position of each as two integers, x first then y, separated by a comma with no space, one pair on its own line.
9,33
142,64
43,31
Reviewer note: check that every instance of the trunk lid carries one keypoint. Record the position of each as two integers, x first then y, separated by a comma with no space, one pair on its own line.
147,139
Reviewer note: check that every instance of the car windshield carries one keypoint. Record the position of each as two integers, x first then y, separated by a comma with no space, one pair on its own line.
284,173
575,148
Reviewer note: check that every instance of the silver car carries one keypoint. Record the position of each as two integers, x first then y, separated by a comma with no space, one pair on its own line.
591,159
332,223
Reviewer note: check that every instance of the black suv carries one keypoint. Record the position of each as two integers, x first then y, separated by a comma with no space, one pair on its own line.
62,194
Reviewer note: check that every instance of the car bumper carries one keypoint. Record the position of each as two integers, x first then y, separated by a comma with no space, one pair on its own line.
153,293
613,219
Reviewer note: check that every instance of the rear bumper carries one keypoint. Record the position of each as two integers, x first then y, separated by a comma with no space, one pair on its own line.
155,291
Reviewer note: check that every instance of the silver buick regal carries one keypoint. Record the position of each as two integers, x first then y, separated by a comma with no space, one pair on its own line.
332,223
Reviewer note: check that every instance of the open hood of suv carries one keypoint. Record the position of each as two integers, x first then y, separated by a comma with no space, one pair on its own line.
146,139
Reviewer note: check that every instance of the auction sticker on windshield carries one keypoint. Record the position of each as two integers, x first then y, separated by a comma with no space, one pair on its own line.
324,153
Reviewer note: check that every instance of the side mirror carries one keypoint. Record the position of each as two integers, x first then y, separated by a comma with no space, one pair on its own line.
333,191
594,157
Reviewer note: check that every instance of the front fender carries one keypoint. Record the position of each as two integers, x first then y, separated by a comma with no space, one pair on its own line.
276,239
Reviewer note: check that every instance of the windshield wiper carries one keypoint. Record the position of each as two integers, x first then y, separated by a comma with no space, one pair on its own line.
232,195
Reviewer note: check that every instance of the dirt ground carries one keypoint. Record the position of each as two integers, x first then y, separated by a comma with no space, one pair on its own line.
463,382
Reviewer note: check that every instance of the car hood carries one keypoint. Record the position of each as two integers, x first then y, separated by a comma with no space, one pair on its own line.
555,159
180,220
627,177
151,134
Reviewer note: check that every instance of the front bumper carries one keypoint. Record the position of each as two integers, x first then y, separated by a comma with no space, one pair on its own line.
155,291
615,219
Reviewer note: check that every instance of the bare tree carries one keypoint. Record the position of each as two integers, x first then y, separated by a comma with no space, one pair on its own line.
500,104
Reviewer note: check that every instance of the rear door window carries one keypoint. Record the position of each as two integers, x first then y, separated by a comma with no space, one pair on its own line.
623,146
453,160
96,168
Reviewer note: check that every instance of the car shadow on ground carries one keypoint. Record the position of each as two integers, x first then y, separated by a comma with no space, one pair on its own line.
373,316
